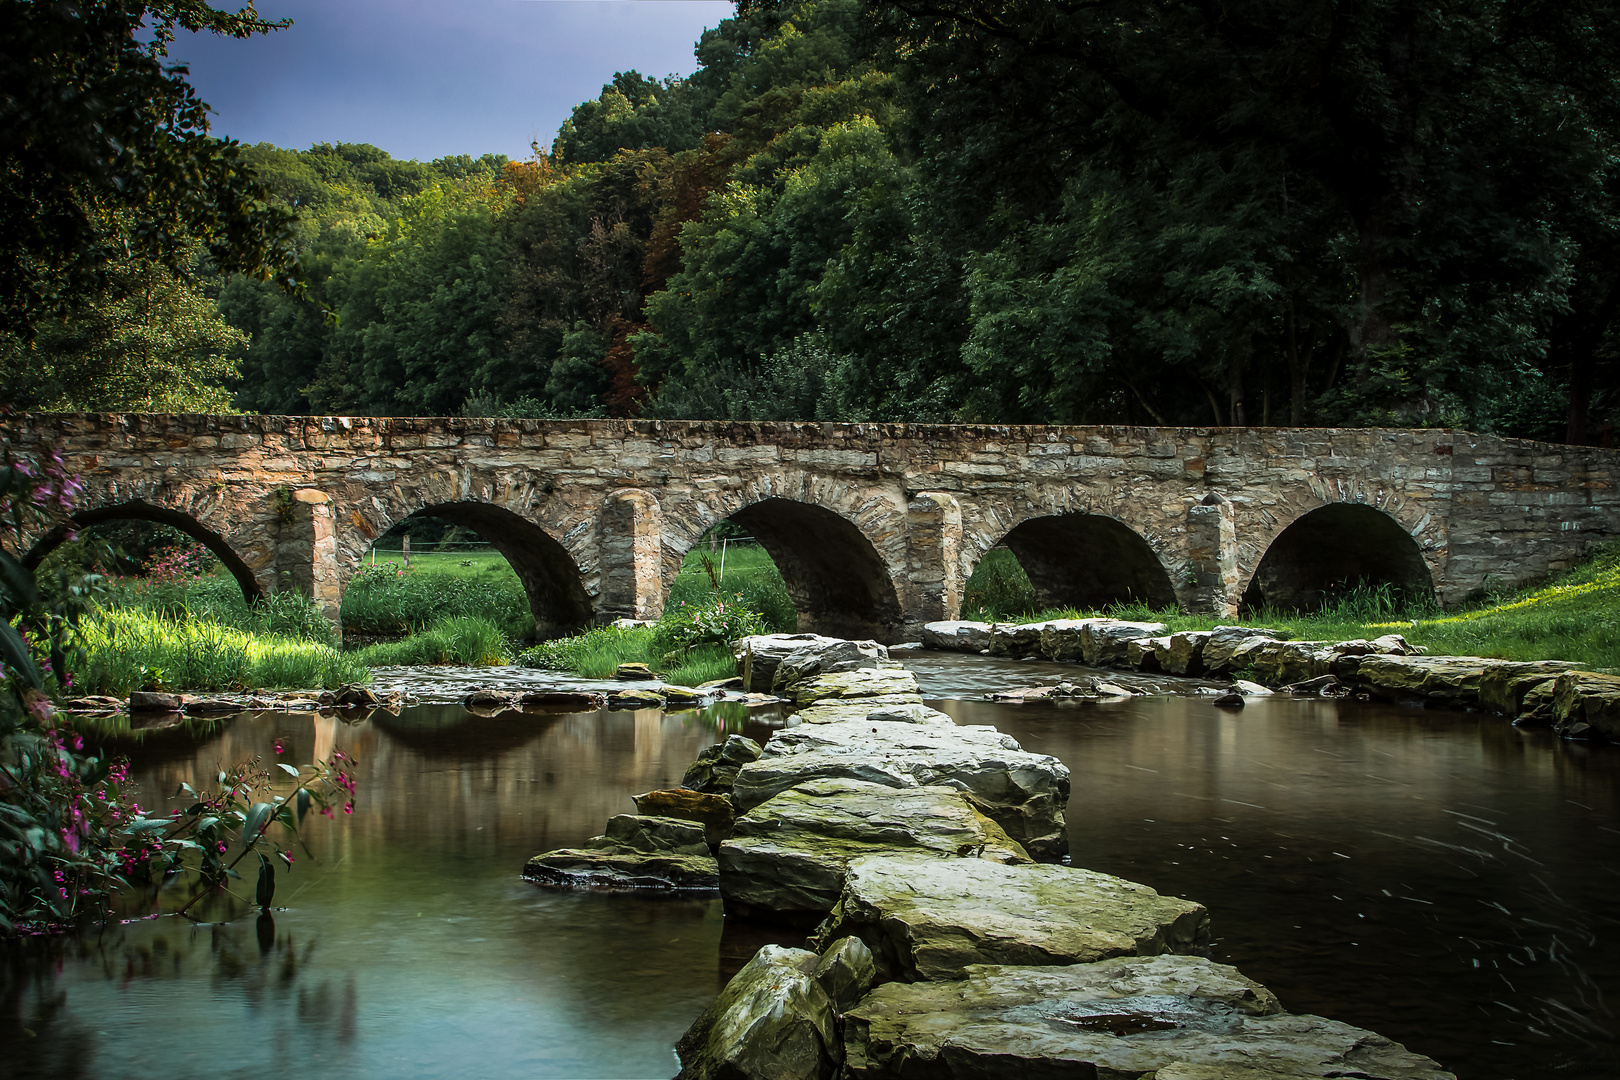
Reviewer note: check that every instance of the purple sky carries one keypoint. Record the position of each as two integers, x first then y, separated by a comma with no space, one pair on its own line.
427,78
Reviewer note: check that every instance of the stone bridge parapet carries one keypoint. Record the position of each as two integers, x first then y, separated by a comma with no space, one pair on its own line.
875,527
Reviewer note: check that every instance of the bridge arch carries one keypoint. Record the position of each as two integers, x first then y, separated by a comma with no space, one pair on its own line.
841,583
1332,548
1088,561
550,577
141,510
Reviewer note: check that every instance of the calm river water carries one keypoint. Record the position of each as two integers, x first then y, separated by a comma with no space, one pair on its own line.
1441,878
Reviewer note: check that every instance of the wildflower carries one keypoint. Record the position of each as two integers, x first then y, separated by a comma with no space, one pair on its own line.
348,808
279,748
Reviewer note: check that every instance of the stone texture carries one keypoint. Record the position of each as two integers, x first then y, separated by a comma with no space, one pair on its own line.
714,812
623,870
928,918
651,835
1228,648
1103,641
875,526
625,700
786,858
1170,1017
148,701
1504,684
808,661
773,1021
1022,792
893,685
956,636
1585,698
759,656
1450,681
715,769
1186,654
846,971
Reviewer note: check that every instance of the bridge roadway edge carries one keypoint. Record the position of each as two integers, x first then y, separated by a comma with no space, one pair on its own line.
883,520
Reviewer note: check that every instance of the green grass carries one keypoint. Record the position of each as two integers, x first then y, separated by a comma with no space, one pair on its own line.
388,599
1574,617
463,639
748,572
597,654
134,650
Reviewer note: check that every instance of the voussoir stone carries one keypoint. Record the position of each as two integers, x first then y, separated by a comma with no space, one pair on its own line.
1022,792
786,858
928,918
1171,1017
773,1021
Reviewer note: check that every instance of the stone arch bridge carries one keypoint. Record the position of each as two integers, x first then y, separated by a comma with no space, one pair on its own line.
875,527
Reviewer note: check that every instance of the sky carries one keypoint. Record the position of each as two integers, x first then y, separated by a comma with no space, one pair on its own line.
428,78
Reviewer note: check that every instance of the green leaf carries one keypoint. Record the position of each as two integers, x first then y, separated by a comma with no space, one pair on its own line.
303,803
267,882
257,818
14,654
290,770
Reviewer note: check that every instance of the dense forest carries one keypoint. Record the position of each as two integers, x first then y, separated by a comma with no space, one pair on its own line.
1322,212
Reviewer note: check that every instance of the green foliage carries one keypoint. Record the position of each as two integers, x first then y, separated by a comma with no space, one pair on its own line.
998,589
463,639
386,598
718,621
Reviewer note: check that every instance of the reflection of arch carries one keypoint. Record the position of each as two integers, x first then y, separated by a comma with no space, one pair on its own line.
144,511
1089,561
838,581
1332,548
549,575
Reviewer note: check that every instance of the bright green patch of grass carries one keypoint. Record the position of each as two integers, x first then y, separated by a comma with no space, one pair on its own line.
389,599
134,649
469,640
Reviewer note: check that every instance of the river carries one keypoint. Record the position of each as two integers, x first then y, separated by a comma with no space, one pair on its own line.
1442,878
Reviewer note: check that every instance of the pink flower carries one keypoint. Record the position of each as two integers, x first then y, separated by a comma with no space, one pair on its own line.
278,746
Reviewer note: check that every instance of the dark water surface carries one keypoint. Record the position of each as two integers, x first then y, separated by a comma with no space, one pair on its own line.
1441,878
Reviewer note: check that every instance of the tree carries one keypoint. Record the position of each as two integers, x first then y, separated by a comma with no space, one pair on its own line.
107,156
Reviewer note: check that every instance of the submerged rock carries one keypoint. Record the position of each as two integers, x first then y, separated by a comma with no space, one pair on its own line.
210,706
715,769
928,918
616,870
1022,792
786,858
566,700
773,1021
714,812
1174,1017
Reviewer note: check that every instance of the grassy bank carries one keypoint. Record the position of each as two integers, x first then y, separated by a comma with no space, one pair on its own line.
596,654
1574,617
389,599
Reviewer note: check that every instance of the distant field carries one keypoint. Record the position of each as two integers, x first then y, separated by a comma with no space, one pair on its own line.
475,561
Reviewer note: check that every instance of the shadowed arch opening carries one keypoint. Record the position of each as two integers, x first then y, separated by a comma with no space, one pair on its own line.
837,581
1331,550
143,511
549,575
1090,562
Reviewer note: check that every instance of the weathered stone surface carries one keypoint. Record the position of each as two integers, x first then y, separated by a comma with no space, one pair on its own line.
1147,654
210,706
877,525
1583,697
1103,641
910,714
622,869
956,636
715,769
815,659
1060,639
148,701
759,656
487,699
1251,689
1504,684
652,835
928,918
1186,654
894,685
355,696
635,699
634,672
1280,662
714,812
1024,793
773,1021
1437,680
1172,1017
787,857
846,971
1229,648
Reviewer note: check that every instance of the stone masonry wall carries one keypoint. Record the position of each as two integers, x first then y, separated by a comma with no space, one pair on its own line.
882,522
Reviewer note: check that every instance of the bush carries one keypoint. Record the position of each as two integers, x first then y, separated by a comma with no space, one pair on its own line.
999,589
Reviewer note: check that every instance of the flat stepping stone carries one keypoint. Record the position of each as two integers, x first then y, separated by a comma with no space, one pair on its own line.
1173,1017
786,859
623,871
928,919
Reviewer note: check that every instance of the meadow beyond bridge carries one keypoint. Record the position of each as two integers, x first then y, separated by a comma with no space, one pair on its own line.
875,527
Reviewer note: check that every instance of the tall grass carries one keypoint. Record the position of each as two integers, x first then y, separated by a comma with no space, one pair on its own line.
389,599
468,640
998,589
597,654
747,574
218,599
131,649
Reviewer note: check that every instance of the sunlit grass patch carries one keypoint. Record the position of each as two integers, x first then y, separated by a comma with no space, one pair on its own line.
469,640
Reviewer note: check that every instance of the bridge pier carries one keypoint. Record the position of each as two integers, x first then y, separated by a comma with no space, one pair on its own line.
631,544
306,559
934,581
1213,584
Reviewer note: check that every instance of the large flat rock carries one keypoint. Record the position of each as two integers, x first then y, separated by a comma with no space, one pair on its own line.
1448,681
773,1021
760,655
893,685
623,870
1504,684
1170,1017
928,919
1024,793
787,857
956,635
